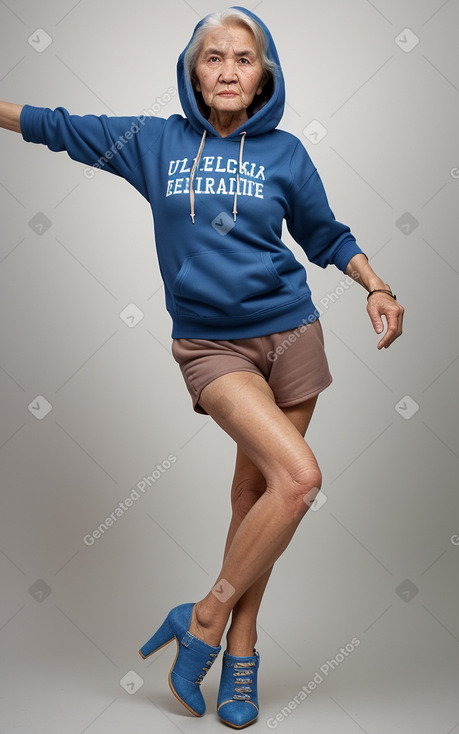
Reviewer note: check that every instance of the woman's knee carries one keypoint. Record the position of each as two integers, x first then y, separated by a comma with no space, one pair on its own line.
307,486
306,476
299,487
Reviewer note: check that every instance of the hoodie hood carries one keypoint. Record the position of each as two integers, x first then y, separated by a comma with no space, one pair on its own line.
268,108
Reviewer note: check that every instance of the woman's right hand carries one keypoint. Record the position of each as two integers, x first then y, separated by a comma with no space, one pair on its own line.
10,115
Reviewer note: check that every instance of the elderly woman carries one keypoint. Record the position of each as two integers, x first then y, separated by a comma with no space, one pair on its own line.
246,334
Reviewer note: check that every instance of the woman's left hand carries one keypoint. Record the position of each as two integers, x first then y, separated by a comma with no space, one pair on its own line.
379,306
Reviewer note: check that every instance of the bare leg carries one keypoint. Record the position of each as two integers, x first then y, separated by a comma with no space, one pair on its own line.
248,485
243,405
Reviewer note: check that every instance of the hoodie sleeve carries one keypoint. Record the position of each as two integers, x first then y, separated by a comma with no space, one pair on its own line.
111,144
310,220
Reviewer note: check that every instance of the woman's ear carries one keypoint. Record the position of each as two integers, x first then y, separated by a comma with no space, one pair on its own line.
264,79
195,83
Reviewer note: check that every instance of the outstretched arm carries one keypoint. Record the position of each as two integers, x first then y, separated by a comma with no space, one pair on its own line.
9,116
379,304
116,144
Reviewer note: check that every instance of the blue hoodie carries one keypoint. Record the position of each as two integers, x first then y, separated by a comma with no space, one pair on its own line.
227,274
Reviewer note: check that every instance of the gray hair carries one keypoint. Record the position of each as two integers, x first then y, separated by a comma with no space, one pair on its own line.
222,19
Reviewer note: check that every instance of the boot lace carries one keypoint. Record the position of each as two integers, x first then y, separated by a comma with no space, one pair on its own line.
243,679
207,667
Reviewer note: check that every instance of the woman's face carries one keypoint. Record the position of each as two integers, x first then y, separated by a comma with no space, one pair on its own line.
229,70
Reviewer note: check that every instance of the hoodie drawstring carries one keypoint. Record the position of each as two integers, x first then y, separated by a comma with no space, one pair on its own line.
194,169
192,174
241,148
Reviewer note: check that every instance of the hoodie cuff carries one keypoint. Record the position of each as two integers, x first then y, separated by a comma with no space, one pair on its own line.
30,122
348,249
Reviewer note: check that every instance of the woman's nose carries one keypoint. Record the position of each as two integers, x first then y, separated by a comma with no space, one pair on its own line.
228,71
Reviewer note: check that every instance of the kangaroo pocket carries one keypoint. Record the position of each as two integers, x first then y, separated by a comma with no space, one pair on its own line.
229,283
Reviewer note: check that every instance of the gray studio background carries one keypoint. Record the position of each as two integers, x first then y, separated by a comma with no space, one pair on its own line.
92,401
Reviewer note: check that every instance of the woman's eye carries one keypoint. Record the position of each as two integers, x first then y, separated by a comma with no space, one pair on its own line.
213,59
244,61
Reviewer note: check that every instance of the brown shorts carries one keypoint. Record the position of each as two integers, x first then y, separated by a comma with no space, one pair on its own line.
292,362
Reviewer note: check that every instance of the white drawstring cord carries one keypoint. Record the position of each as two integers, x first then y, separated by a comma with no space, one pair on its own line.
241,149
192,174
195,167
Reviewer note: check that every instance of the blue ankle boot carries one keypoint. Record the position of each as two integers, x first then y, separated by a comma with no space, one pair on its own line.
237,703
193,660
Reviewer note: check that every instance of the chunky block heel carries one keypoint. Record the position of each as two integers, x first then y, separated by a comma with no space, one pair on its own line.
193,660
237,703
161,638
